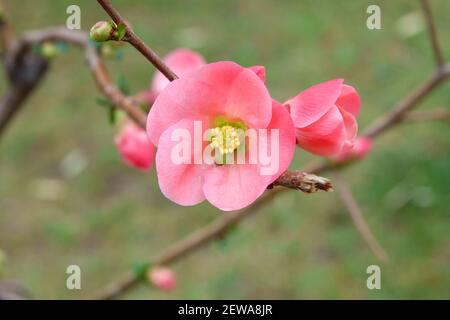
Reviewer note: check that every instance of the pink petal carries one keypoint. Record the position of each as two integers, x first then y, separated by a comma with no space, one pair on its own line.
182,62
233,187
349,100
183,99
247,97
282,121
181,183
361,148
313,103
260,71
351,126
324,137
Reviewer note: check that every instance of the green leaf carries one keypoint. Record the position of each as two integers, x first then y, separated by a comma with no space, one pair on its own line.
114,25
140,268
103,102
123,85
112,115
121,31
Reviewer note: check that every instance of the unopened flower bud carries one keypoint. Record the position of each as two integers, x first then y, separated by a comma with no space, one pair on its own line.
49,50
102,31
163,278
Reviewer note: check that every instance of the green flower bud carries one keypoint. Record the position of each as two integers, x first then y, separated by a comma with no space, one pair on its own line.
49,50
102,31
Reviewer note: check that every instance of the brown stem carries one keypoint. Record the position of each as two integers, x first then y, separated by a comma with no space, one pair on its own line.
394,116
438,114
6,32
358,218
306,182
13,100
136,42
437,50
188,245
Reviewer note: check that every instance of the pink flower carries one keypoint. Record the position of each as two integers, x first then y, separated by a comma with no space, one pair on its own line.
224,97
134,146
324,116
361,147
163,278
182,62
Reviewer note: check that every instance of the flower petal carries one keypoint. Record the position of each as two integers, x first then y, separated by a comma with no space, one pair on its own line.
182,62
349,100
183,99
233,187
260,71
181,183
312,103
350,123
282,121
247,97
324,137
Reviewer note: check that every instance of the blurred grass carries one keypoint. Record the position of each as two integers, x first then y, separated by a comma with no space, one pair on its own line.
109,216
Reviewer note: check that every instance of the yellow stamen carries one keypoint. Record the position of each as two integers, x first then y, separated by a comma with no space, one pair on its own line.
226,139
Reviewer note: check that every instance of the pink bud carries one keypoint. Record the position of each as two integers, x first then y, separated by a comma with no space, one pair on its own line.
134,146
163,278
361,147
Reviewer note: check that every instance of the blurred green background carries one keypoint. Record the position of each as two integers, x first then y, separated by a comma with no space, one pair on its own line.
66,197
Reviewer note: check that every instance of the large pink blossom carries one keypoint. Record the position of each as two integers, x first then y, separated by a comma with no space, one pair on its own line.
220,95
182,62
324,116
134,146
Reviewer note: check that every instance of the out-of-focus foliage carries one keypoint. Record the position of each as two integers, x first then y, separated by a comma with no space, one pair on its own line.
66,198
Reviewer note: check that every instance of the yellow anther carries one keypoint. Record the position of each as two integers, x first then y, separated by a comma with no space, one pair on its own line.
226,139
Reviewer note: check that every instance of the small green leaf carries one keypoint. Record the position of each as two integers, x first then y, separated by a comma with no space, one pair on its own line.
114,25
103,102
123,85
121,31
140,268
144,107
112,115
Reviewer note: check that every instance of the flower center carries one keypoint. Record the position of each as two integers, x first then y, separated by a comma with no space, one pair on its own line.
226,139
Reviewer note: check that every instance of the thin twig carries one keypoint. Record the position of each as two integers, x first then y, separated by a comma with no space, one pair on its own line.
438,114
6,32
95,64
437,50
136,42
188,245
358,218
394,116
